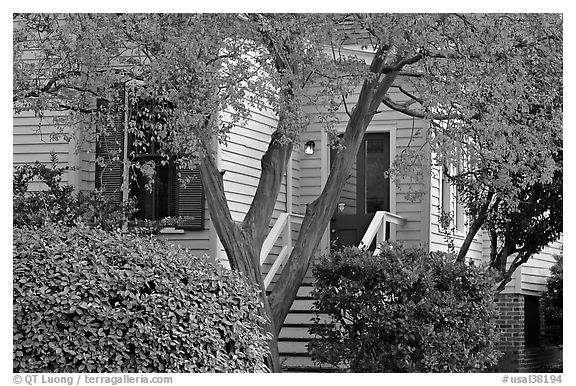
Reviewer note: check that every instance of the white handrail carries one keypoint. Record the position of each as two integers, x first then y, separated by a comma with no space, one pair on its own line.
277,263
377,228
273,236
282,226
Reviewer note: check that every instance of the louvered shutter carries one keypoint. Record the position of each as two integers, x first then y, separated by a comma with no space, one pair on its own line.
190,200
110,149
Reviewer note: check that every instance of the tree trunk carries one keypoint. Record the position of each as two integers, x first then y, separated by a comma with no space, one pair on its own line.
474,228
239,245
520,259
493,245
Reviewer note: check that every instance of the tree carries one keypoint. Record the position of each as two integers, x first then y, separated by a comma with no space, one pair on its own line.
204,64
494,95
516,191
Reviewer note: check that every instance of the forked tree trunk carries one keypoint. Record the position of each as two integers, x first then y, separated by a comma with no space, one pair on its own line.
319,212
243,243
240,246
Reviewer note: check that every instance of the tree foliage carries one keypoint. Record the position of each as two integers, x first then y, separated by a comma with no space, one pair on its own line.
201,64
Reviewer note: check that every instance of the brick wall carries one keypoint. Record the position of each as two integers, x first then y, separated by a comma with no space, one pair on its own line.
510,321
517,357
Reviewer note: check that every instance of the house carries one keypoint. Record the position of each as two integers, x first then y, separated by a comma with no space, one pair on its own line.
370,205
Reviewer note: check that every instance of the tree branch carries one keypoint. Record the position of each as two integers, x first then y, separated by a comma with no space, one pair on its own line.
77,109
345,106
412,74
49,87
243,255
81,89
413,113
493,245
273,164
480,219
408,94
401,63
520,259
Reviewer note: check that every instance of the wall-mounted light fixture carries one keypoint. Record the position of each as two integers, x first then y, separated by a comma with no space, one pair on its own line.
309,147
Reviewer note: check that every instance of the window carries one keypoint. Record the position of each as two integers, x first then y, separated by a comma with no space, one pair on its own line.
172,191
452,204
446,194
460,215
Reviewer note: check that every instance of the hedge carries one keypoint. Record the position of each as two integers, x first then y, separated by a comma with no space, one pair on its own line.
405,310
90,301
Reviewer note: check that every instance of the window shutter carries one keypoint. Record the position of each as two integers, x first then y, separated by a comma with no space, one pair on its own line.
190,200
110,151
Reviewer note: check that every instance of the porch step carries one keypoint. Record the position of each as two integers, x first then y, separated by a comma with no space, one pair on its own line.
294,337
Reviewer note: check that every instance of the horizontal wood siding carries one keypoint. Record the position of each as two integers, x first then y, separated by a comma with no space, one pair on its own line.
197,242
536,271
240,159
241,162
409,133
35,139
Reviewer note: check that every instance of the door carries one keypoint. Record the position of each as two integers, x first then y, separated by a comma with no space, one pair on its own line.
367,191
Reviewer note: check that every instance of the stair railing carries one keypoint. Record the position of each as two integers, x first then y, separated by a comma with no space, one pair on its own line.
377,229
282,227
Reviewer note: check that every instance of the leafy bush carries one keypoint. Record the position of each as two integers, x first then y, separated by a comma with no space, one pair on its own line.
86,300
404,310
58,203
552,304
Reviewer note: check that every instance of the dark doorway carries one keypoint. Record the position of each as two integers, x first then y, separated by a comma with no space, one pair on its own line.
531,321
367,191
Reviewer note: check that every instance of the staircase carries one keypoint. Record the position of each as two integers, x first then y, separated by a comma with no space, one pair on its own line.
294,337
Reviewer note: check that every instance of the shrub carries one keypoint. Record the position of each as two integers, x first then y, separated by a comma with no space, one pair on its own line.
404,310
552,304
58,203
90,301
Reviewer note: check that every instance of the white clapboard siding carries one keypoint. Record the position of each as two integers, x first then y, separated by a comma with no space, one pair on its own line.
536,271
35,139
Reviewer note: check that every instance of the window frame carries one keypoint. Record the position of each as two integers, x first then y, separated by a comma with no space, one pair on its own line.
449,197
193,191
